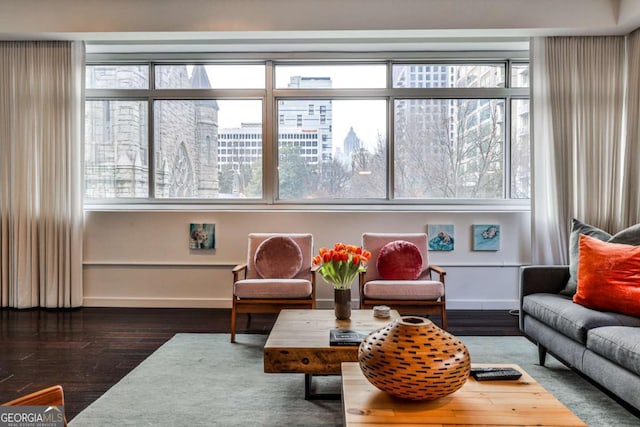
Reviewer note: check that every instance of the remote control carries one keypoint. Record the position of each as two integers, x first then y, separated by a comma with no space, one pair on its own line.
495,374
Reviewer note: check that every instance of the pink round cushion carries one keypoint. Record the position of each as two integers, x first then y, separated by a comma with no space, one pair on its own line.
399,260
278,257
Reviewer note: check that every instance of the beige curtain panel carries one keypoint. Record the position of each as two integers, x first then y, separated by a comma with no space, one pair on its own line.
631,194
583,165
41,114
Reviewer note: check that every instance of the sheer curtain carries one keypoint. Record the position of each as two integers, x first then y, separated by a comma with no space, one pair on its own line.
630,212
41,114
578,99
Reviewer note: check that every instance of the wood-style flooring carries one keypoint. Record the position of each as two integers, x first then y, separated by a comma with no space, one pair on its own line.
88,350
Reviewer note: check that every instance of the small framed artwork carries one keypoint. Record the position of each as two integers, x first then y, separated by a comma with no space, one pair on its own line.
441,237
202,236
486,237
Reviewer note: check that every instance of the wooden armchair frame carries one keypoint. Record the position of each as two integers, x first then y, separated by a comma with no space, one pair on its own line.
50,396
408,306
267,305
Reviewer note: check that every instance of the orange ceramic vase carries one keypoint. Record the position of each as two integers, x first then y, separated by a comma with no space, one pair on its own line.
412,358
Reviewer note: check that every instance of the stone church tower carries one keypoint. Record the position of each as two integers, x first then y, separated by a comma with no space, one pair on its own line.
185,139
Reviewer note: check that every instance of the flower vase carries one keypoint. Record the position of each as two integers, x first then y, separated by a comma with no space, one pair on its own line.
342,299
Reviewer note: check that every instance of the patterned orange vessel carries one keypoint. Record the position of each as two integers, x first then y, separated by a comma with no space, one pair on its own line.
412,358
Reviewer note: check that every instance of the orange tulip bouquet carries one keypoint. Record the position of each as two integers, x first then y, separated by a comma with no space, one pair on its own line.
342,264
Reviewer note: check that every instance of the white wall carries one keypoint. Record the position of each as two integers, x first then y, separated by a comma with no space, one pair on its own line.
142,259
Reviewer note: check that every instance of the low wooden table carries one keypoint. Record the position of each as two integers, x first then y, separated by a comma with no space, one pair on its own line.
299,343
488,403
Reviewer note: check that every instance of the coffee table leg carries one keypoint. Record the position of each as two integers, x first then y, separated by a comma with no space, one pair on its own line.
308,395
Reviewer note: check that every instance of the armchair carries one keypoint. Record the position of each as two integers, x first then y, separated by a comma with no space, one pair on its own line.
399,275
278,274
50,396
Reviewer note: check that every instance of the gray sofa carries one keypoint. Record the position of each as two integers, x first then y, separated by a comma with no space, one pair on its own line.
604,346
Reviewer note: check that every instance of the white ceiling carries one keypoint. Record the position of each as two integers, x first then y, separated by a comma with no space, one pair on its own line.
257,25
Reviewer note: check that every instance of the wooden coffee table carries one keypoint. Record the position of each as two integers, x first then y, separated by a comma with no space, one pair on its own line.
299,343
488,403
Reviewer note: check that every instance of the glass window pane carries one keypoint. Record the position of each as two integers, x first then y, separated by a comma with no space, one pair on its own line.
449,148
519,75
353,76
116,149
520,150
338,154
448,76
189,76
208,149
115,76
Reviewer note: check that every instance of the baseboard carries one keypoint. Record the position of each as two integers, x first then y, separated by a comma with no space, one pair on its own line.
158,302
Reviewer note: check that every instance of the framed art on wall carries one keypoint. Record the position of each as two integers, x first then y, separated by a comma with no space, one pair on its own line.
202,236
486,237
441,237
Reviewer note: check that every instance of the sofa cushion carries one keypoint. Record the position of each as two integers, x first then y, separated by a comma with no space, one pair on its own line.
399,260
573,320
618,344
608,276
628,236
278,257
272,288
408,289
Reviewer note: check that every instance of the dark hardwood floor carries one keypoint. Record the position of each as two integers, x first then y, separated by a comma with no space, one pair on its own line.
88,350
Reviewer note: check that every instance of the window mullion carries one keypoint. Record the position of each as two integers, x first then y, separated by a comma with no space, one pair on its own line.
270,140
150,132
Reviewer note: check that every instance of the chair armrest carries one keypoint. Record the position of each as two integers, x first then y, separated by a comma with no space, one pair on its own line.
50,396
441,272
240,268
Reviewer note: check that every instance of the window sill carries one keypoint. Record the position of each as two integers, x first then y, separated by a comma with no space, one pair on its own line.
496,206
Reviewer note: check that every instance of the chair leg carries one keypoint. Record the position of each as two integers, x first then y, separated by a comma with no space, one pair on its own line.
443,316
233,320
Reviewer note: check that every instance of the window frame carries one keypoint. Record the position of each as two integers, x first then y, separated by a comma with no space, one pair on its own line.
270,120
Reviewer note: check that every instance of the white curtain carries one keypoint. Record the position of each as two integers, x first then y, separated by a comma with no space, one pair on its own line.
630,212
578,99
41,115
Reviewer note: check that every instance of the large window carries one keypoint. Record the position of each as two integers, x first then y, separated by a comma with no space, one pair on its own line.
309,131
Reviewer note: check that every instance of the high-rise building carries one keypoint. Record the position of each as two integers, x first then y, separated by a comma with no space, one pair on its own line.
307,122
461,141
303,124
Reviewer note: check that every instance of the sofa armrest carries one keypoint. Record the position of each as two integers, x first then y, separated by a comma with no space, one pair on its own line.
543,278
535,279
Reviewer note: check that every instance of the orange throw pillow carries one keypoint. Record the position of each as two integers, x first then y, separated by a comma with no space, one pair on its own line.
608,276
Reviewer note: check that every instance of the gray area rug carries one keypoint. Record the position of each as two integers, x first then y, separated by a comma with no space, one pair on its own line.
204,380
